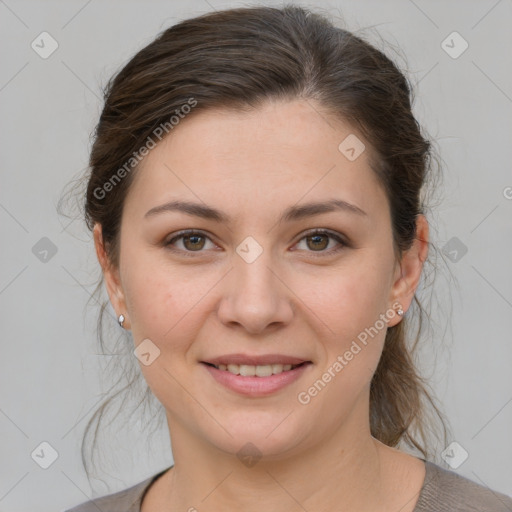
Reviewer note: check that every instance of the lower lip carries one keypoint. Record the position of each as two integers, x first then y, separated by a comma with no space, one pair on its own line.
256,386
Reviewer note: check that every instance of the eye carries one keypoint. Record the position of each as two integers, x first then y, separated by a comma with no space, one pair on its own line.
194,241
318,240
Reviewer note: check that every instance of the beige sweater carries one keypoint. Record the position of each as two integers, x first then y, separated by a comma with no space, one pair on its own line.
442,491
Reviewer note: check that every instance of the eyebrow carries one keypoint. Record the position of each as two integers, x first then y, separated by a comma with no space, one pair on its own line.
292,213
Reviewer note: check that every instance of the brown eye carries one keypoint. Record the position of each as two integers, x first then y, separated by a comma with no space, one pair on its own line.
193,242
317,242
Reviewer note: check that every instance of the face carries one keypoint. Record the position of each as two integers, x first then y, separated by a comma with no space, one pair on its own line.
258,281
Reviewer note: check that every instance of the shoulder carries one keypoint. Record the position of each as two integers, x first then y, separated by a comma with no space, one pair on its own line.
127,500
447,491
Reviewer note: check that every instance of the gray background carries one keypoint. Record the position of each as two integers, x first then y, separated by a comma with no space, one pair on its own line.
49,378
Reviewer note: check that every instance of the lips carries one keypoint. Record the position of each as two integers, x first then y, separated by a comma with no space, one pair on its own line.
259,385
255,360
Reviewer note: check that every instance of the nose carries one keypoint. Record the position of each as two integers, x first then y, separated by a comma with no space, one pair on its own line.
255,296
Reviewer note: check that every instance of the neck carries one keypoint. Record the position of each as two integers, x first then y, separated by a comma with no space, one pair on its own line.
347,470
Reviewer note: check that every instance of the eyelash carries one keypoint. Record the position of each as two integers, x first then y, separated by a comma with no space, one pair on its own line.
313,232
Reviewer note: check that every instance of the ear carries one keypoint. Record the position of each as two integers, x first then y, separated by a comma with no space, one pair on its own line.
408,271
111,276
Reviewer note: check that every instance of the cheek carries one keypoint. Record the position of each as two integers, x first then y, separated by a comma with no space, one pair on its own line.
145,296
159,311
166,305
350,298
350,305
153,299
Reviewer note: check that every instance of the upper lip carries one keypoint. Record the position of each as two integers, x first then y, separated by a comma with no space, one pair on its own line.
254,360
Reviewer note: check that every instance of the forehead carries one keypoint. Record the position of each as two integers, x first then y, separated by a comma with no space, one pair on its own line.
258,161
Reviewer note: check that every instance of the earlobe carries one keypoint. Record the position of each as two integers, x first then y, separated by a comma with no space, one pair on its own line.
411,265
110,274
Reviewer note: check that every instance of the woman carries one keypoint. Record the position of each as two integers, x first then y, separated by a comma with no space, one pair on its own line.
255,202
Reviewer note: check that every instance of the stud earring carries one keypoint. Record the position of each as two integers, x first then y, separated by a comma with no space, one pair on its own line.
120,320
400,311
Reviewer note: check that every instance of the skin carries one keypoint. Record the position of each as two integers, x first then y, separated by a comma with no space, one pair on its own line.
296,298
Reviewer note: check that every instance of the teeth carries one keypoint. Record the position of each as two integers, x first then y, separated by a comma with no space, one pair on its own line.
246,370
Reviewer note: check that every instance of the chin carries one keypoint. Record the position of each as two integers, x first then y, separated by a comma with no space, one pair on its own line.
256,435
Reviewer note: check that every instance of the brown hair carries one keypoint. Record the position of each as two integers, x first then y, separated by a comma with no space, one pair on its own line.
238,59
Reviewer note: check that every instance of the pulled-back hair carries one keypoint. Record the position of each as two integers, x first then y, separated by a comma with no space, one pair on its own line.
239,59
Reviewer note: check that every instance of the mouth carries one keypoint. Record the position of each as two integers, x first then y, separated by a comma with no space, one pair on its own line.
247,370
256,381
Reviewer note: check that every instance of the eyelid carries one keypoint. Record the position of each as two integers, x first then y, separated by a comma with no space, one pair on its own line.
181,234
324,231
342,242
341,239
